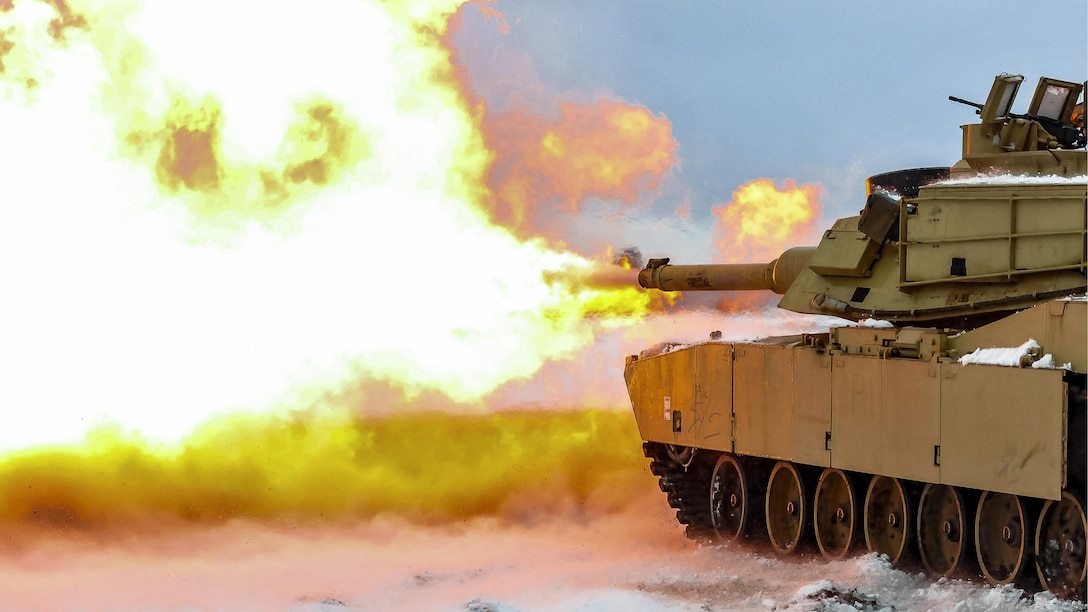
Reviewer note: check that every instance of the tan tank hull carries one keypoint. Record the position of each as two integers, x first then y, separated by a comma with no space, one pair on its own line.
887,409
891,415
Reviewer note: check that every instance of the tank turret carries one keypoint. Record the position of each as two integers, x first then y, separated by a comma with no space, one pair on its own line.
943,246
956,436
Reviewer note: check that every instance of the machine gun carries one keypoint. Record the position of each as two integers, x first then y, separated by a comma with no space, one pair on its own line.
1048,124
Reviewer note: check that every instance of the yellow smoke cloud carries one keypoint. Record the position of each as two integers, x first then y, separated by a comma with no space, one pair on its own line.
426,467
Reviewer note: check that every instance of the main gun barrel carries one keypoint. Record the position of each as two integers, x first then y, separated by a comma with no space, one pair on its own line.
776,276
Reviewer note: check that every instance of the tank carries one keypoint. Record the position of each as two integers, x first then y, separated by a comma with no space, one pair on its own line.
943,423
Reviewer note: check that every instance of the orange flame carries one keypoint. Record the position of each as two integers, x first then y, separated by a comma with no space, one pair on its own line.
383,183
274,208
762,220
607,149
610,291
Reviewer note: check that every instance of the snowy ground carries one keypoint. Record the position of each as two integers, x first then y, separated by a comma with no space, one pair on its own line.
634,560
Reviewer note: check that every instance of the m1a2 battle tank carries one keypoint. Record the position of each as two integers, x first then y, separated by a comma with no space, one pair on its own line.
902,433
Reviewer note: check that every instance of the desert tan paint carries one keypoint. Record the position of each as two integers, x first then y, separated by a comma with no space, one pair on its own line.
1002,429
886,416
1000,231
931,420
685,396
785,384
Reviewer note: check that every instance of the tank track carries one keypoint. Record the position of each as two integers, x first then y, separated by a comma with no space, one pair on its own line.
687,487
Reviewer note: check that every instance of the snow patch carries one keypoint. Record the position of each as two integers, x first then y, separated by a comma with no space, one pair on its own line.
1047,362
833,598
875,323
1012,179
481,605
1028,353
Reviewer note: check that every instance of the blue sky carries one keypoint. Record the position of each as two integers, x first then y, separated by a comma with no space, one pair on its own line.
827,92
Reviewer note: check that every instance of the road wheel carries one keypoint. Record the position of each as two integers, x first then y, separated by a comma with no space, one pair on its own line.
942,529
834,509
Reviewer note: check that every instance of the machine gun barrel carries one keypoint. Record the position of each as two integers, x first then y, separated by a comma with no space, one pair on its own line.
776,276
967,102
